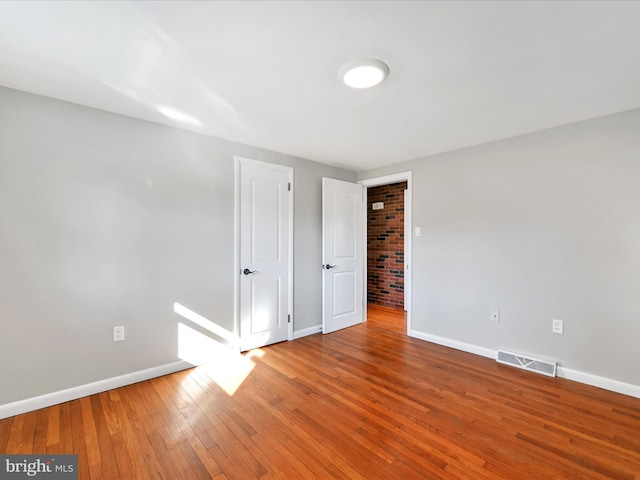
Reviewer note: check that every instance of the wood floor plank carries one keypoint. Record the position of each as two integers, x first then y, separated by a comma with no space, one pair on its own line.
166,466
27,437
88,432
13,440
53,425
40,431
366,402
77,433
5,433
108,463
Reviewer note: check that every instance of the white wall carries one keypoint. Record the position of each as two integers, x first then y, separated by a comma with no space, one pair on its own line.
540,226
107,220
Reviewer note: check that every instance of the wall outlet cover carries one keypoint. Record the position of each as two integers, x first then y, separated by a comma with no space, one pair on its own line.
118,333
557,326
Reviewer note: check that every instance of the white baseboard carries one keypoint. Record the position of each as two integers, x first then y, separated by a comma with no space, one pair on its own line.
54,398
563,372
601,382
307,331
448,342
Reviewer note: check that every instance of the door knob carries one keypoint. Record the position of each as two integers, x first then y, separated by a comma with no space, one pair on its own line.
329,267
246,271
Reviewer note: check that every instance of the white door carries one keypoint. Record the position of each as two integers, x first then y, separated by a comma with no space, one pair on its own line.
342,255
265,253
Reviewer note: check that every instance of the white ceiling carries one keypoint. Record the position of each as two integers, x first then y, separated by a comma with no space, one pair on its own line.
265,73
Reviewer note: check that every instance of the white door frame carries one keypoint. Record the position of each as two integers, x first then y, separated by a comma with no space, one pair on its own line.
408,234
236,248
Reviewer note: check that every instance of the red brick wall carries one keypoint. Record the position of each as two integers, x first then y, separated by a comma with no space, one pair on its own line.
385,246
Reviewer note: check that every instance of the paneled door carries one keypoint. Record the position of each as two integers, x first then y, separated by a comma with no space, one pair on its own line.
342,254
265,253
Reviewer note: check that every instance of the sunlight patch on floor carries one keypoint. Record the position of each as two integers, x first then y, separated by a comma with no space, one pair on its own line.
233,371
224,365
214,350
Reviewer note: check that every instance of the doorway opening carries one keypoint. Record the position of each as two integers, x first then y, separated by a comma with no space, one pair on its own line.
385,246
388,242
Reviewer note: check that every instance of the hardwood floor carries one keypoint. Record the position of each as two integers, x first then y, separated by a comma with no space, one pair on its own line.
363,403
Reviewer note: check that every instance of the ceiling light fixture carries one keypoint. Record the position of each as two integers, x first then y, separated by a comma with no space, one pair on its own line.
363,73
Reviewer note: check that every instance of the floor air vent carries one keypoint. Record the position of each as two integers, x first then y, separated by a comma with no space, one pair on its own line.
520,361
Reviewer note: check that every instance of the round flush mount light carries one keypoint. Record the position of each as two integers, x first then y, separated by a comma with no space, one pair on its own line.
363,73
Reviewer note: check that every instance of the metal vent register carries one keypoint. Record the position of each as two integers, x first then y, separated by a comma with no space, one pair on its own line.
526,363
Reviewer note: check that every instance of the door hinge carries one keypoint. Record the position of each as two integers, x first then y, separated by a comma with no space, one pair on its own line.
289,318
289,187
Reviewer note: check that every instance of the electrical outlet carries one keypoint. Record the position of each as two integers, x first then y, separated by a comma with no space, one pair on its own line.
495,316
118,333
558,326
